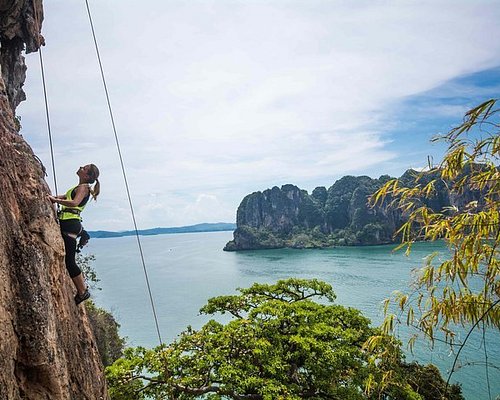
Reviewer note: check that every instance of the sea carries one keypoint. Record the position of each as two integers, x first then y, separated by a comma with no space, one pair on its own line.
185,270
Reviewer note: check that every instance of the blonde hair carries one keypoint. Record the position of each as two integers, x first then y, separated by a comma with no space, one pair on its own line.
93,175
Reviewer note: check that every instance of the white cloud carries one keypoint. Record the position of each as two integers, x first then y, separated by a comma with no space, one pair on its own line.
220,98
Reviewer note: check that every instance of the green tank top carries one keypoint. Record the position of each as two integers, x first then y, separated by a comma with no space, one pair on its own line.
66,212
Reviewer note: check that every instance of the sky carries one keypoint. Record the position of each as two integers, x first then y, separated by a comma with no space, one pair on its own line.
214,100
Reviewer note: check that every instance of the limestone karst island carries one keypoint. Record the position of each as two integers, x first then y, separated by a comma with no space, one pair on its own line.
338,216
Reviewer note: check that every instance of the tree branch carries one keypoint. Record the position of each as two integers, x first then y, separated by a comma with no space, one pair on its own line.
465,341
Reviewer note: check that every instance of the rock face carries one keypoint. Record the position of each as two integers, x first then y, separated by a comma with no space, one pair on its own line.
47,350
339,216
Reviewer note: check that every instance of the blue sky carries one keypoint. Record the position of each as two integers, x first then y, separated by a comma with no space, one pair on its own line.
217,99
421,117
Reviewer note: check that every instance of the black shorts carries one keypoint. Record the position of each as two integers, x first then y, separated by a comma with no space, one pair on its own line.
73,226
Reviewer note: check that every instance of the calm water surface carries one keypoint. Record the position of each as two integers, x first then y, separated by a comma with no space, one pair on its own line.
186,269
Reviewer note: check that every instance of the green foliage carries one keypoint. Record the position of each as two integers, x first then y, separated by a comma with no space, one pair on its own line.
465,288
346,206
422,378
102,322
320,195
279,344
105,329
371,233
311,213
17,123
85,263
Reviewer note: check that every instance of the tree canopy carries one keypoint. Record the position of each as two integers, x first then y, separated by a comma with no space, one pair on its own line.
281,343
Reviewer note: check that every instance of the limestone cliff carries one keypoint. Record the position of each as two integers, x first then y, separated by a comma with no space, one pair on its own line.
339,216
47,350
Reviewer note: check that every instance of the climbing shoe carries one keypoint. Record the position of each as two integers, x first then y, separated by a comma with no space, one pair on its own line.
82,297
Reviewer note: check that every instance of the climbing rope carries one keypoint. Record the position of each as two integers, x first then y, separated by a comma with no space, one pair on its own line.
47,114
123,170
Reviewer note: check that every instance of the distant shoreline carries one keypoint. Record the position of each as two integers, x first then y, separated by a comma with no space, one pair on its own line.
204,227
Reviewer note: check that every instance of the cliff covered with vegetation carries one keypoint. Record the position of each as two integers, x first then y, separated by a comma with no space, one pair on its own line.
47,349
337,216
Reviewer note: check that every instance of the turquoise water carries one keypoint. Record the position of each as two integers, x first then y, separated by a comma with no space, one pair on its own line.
186,269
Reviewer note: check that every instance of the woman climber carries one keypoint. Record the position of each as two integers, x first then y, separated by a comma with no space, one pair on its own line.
73,203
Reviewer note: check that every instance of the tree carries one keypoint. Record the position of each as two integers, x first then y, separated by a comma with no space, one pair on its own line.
84,262
105,328
279,344
103,324
465,288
